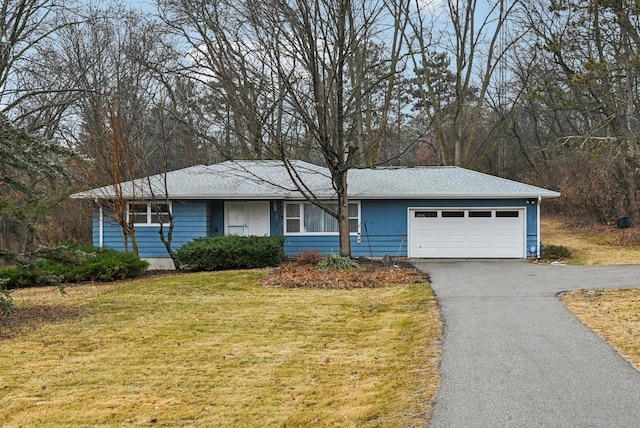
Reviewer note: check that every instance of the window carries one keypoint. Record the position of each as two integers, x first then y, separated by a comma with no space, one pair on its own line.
137,213
149,213
479,213
318,220
354,218
452,213
426,214
159,213
304,217
507,213
293,218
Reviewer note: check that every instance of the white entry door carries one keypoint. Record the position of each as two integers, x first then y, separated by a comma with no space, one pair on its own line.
247,218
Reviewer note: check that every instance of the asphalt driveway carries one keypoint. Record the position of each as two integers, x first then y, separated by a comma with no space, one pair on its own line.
514,356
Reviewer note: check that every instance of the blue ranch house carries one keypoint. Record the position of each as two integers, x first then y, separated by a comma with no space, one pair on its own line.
414,212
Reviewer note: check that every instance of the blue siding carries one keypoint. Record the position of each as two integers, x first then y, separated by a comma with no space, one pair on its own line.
532,229
112,233
384,224
383,227
295,245
95,229
190,219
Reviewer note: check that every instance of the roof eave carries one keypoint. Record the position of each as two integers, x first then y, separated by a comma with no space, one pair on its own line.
465,196
84,195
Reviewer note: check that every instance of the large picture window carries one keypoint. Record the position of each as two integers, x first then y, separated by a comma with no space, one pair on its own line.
306,218
149,213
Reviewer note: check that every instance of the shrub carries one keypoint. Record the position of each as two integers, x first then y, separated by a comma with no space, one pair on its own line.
555,252
103,265
68,254
230,252
312,257
629,236
6,303
336,262
72,263
30,275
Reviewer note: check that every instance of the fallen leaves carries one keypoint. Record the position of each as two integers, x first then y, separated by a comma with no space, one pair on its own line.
293,275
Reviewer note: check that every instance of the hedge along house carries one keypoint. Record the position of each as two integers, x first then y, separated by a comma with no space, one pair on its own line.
414,212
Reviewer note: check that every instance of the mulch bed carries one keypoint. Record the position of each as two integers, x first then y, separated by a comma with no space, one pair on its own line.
370,275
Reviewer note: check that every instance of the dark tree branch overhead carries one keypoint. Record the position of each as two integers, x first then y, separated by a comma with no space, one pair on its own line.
311,77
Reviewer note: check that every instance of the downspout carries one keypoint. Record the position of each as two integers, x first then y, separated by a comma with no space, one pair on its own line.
100,227
538,224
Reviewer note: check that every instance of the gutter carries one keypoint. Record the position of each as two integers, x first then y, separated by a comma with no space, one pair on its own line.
538,224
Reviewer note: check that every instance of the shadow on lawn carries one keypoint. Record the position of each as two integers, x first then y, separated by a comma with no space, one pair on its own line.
22,320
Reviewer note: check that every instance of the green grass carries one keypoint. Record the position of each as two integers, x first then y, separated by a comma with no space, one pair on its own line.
215,349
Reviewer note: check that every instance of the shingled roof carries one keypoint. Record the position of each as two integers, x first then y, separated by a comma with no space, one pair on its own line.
271,180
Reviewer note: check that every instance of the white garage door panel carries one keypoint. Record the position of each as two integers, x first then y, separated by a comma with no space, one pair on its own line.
468,237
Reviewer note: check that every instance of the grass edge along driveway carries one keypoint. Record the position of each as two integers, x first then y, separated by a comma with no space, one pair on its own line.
214,349
614,314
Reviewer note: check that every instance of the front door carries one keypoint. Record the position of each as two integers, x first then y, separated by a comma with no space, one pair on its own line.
236,218
248,218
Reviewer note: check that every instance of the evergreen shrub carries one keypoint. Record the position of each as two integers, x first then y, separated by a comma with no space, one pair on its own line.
71,263
6,303
554,252
230,252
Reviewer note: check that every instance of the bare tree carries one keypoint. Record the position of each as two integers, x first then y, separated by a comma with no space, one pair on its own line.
23,26
582,111
458,56
165,136
301,77
106,56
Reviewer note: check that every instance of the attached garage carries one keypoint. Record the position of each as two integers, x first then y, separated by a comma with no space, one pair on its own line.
445,213
467,233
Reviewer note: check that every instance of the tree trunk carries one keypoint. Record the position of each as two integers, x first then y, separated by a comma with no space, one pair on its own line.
343,215
134,242
168,239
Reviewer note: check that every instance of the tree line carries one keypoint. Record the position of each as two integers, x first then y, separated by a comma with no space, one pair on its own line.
93,94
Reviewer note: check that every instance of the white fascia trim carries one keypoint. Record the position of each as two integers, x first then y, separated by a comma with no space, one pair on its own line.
456,196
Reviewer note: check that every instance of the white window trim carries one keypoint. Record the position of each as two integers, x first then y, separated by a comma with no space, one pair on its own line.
301,219
149,205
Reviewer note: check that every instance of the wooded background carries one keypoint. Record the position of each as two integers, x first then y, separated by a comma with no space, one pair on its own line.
92,94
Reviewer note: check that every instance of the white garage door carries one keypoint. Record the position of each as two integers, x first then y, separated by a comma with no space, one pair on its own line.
466,233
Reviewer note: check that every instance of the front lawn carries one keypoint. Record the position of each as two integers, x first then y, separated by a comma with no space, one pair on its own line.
612,313
595,245
215,349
